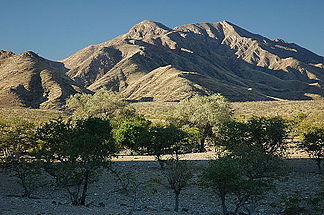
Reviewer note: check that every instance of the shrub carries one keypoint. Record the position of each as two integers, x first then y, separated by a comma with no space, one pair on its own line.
313,144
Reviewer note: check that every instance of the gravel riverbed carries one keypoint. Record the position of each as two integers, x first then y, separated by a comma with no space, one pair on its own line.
146,196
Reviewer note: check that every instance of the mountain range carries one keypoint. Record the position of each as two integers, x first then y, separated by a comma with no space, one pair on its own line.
153,62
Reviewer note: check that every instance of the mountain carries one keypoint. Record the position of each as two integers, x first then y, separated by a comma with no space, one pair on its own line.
29,80
154,62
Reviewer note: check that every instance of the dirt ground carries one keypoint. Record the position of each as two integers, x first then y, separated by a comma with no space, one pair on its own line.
147,197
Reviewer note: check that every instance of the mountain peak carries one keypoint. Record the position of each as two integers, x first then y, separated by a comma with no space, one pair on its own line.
225,22
29,54
153,24
147,28
206,57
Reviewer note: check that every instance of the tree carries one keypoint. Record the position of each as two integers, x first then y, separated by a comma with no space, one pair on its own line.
102,104
178,174
76,152
204,113
313,144
258,169
18,144
254,145
233,176
167,139
133,133
266,134
224,177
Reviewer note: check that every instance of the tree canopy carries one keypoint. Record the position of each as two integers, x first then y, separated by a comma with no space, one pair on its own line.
313,144
102,103
75,152
202,112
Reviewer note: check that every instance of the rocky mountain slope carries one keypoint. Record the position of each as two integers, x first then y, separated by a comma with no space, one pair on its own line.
32,81
154,62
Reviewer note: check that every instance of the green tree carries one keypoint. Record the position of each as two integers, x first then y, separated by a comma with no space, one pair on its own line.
133,133
204,113
178,174
18,144
76,152
313,144
103,104
167,139
224,177
259,169
232,176
268,134
255,145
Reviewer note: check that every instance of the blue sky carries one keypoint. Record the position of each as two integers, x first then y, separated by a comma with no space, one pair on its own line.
56,29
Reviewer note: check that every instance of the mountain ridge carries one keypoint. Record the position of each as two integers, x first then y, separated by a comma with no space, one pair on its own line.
216,49
29,80
157,63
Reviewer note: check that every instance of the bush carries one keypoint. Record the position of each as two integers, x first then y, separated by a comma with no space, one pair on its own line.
313,144
168,139
224,177
266,134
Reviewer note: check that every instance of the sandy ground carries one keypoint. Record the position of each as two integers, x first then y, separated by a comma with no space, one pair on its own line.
149,197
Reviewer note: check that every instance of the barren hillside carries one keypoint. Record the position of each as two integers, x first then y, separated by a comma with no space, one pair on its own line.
154,62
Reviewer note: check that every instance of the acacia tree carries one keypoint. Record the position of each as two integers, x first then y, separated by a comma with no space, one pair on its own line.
103,104
204,113
246,178
313,144
133,133
18,143
224,177
267,134
167,139
251,147
178,174
76,152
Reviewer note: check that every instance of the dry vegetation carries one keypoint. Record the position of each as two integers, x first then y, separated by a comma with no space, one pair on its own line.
36,116
158,110
313,108
104,197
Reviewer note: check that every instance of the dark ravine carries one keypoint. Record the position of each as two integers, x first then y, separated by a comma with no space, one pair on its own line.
164,64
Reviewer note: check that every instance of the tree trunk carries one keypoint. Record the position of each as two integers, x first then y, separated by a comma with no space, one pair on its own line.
161,162
74,198
176,203
251,207
202,144
224,205
27,192
318,161
85,188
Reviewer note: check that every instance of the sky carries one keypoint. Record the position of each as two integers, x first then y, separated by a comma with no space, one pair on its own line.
55,29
